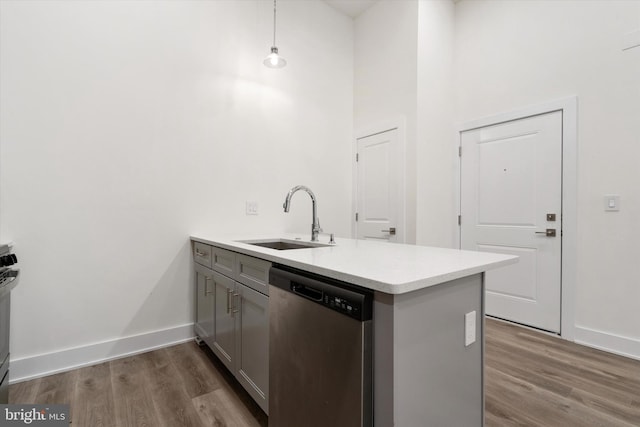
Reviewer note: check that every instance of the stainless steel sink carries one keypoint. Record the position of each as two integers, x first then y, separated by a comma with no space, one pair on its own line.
283,244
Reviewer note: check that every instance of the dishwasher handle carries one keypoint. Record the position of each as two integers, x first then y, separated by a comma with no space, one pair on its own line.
307,291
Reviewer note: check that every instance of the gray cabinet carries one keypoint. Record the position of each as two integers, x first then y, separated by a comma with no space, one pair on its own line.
253,272
232,314
203,325
252,344
224,320
224,261
202,254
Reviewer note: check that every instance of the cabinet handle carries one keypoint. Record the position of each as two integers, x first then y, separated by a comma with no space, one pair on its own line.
229,292
206,286
201,254
235,306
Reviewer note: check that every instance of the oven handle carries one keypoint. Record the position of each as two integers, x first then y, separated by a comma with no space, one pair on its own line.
9,280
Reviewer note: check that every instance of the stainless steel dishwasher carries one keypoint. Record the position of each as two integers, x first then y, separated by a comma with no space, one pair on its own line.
320,351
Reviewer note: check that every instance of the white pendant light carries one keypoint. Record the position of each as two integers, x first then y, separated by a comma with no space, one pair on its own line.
273,60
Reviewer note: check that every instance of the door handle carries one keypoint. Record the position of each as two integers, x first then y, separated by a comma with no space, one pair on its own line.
549,232
391,230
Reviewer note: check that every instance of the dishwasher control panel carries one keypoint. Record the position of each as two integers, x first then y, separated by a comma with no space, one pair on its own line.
344,298
351,308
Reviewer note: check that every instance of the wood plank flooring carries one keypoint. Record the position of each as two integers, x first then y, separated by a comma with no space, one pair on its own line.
532,379
535,379
183,385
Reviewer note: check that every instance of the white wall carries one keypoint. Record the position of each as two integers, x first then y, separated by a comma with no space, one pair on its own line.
127,126
435,205
511,54
385,79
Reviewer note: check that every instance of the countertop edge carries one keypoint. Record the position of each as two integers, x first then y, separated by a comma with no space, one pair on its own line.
372,284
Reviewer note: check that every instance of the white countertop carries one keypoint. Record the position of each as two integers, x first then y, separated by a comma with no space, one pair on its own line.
386,267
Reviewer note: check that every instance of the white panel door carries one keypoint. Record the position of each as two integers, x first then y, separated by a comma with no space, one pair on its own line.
511,200
378,187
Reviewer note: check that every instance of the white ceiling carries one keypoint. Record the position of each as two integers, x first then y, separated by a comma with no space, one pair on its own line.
351,8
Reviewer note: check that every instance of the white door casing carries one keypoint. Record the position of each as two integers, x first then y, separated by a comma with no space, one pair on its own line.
379,187
511,178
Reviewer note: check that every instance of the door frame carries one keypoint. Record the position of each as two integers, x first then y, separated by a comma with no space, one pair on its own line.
569,108
398,123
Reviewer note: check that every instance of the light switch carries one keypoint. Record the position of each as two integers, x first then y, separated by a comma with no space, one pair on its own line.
251,208
611,202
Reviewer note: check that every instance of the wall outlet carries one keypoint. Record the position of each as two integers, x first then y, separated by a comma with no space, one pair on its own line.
469,328
252,208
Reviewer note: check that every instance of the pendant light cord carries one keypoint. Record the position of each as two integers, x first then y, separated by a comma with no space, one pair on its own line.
273,60
274,22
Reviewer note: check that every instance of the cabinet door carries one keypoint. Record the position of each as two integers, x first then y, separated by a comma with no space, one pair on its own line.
224,320
203,325
252,344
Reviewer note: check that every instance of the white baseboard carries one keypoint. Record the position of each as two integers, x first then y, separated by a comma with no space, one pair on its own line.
624,346
50,363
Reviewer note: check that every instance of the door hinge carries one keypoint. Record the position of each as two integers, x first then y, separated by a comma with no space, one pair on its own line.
357,157
460,151
459,219
356,216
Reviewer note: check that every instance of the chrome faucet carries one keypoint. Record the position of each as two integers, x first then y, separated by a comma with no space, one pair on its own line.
315,227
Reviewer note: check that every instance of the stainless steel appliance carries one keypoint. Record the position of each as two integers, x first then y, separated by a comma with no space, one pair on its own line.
8,280
320,351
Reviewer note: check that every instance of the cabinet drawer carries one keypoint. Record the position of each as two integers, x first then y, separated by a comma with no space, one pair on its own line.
202,254
224,261
253,272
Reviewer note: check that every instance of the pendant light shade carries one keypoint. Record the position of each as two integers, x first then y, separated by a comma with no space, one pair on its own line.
273,60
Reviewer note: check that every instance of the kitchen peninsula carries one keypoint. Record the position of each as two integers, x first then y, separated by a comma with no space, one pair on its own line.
428,317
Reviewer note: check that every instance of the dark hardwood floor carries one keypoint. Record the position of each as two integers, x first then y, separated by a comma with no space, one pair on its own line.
532,379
